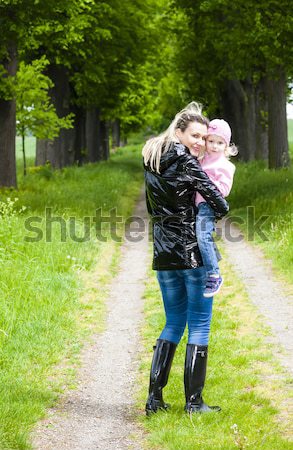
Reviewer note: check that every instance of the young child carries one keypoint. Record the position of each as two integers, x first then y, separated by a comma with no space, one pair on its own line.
221,171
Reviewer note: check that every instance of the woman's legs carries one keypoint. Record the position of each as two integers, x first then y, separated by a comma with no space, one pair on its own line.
172,284
161,364
175,303
199,320
199,313
194,379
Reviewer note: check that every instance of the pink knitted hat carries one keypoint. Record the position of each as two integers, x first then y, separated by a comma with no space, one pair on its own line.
221,128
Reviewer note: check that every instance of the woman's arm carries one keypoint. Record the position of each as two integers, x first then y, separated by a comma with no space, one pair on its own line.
202,184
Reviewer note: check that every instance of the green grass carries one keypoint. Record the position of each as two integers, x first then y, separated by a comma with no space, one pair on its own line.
48,290
265,197
243,378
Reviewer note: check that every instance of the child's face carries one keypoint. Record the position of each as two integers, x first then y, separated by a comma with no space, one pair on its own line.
215,144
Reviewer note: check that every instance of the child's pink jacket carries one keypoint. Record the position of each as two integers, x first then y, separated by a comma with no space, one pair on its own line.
220,171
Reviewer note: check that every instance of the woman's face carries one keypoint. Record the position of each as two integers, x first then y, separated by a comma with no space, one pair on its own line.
193,137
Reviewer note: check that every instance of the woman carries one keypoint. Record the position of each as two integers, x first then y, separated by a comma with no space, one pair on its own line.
172,175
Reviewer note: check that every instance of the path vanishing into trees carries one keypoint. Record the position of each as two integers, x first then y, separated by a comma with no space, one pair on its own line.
100,413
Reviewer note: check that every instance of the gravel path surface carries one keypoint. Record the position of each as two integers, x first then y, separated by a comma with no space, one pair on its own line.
264,291
100,413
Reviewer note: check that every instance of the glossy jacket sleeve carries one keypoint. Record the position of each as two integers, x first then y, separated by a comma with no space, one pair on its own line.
202,184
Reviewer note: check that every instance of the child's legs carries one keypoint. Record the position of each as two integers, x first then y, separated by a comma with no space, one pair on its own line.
175,303
205,224
199,313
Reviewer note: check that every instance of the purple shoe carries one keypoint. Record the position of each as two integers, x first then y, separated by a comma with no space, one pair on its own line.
213,285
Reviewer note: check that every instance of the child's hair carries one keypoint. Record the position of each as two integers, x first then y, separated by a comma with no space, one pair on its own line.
155,147
231,150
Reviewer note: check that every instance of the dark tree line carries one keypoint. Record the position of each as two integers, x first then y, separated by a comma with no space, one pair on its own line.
97,53
238,60
117,66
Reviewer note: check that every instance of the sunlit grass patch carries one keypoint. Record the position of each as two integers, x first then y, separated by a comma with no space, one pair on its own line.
243,377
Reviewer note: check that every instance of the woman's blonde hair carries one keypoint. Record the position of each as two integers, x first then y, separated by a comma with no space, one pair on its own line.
155,147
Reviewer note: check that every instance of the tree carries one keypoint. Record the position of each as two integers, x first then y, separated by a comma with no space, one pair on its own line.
34,112
119,90
99,52
17,18
230,51
7,118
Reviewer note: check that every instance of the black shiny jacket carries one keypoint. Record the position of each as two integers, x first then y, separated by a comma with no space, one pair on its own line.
169,197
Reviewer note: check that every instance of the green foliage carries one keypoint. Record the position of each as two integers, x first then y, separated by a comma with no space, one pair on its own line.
117,76
34,111
6,84
218,40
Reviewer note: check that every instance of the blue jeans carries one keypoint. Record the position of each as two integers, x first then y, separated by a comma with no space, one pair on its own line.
205,225
182,292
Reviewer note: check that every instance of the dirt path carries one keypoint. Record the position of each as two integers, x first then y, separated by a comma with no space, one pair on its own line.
265,292
100,413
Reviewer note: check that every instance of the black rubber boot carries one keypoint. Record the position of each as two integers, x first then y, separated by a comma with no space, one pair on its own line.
161,364
194,379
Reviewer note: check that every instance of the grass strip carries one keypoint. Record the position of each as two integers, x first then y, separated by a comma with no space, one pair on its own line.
261,202
243,377
53,288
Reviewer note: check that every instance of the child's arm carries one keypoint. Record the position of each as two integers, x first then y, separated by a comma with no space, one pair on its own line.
224,178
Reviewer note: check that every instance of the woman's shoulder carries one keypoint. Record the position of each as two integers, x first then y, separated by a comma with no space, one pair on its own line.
180,149
182,155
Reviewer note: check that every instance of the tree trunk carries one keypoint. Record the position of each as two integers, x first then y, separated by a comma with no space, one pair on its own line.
8,128
123,140
23,152
104,140
92,135
277,120
116,133
249,114
80,139
261,124
238,103
60,151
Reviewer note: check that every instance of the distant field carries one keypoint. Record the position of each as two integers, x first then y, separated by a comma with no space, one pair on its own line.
290,130
30,147
30,143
